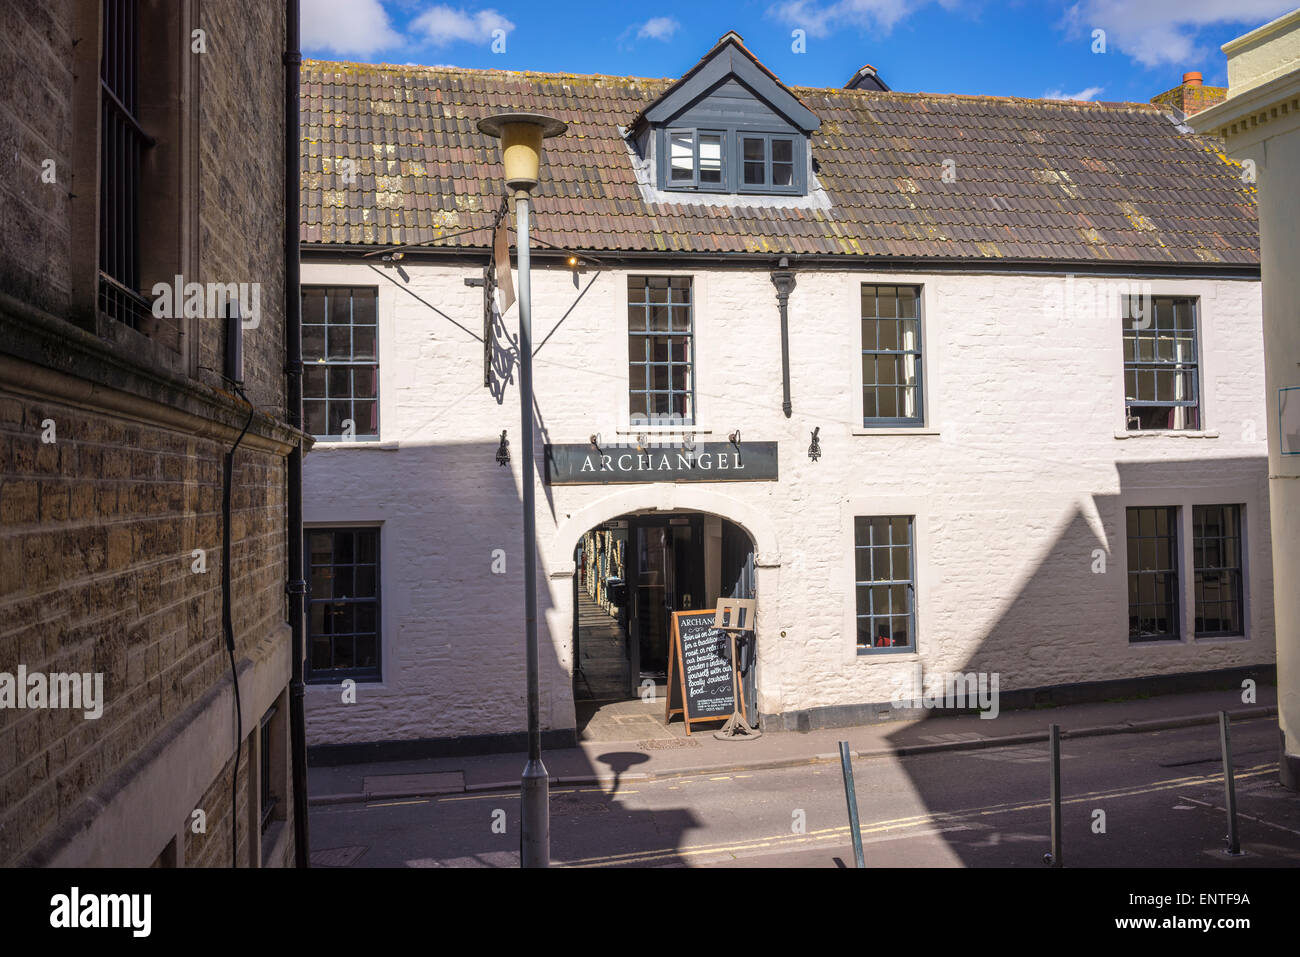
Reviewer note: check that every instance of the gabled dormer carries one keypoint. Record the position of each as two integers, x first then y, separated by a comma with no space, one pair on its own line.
727,126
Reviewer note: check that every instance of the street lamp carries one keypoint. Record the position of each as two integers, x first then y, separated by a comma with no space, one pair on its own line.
521,136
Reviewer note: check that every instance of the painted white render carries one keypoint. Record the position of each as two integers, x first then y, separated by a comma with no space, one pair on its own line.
1259,123
1018,482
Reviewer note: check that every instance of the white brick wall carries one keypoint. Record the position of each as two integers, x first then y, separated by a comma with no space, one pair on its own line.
1020,472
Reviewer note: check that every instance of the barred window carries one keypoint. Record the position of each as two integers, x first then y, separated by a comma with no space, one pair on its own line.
1152,574
891,355
1216,544
885,580
1161,375
661,347
343,608
340,386
123,142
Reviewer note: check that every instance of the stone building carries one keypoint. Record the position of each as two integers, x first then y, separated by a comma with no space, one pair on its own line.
966,382
147,177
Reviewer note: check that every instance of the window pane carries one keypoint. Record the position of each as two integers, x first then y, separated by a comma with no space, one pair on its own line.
313,305
754,152
782,151
683,157
710,158
363,342
313,343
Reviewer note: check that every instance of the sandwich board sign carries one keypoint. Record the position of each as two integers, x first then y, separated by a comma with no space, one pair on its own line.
700,670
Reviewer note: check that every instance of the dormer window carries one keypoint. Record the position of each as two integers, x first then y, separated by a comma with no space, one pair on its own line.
732,161
727,126
769,162
695,159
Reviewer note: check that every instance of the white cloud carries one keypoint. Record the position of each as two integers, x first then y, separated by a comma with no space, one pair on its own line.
443,25
1088,93
658,28
818,19
1164,32
347,27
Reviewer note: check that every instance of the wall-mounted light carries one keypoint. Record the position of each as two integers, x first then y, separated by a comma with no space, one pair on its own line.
815,447
734,438
595,441
503,451
688,442
641,440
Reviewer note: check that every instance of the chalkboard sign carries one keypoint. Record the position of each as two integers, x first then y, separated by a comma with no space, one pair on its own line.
700,674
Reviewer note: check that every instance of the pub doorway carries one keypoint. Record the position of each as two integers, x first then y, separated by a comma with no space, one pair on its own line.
632,573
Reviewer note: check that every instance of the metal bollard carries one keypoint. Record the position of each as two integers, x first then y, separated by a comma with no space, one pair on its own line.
1053,857
851,796
1233,840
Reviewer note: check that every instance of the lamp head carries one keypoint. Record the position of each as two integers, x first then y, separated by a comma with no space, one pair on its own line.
521,136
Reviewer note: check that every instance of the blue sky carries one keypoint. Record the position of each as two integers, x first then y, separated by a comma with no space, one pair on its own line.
1028,48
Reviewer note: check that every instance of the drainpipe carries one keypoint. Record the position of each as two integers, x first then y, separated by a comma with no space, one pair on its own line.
783,279
297,584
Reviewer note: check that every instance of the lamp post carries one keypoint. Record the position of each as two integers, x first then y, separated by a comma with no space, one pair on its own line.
521,136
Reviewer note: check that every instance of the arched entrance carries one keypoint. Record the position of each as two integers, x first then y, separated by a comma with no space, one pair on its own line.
633,572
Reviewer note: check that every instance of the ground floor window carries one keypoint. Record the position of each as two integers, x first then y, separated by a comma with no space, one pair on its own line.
1216,538
885,581
1153,573
266,747
343,610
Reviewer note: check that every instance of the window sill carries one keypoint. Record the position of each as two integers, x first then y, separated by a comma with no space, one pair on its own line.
274,840
862,655
1202,638
323,446
1168,433
899,430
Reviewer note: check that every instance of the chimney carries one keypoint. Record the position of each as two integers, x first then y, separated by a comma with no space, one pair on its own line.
1191,96
866,79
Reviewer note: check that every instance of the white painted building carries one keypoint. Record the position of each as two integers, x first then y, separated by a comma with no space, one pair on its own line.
1050,522
1260,123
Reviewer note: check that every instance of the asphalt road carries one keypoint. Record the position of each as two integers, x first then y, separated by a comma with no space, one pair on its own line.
1160,795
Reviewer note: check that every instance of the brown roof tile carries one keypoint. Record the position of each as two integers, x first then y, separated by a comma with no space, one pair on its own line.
1036,179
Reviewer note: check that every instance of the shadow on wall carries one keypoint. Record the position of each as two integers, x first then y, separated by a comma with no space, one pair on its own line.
452,600
1036,630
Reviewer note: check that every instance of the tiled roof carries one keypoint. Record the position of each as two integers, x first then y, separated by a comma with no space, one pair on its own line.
1034,179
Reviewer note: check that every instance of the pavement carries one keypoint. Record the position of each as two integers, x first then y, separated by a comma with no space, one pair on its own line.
608,763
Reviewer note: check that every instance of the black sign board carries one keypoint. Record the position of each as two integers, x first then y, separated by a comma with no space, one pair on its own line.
700,685
706,462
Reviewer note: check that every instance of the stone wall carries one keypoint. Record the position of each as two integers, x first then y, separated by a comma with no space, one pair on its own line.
111,474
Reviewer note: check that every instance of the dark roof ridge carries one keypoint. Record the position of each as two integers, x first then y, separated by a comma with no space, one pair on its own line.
974,97
416,67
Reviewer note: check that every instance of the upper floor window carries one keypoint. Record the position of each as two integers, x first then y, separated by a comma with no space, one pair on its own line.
1161,372
891,355
727,161
340,385
123,142
661,348
768,162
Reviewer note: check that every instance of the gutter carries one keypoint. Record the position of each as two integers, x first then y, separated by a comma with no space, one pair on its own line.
296,587
346,252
